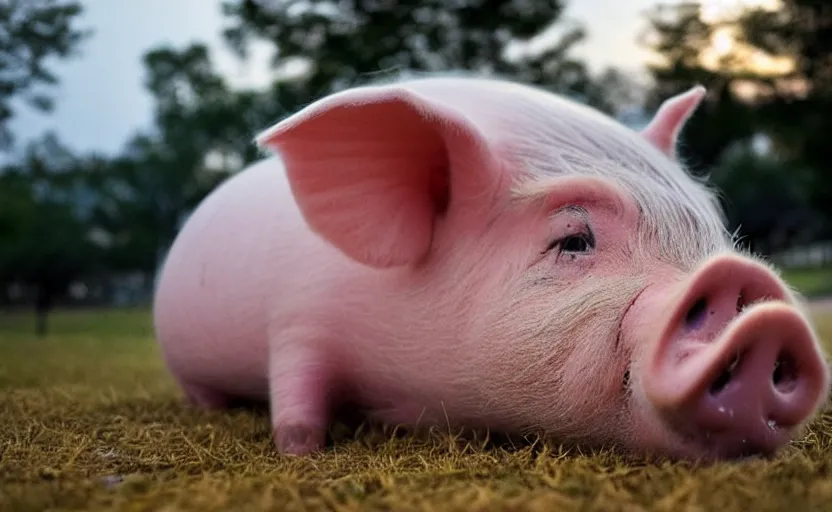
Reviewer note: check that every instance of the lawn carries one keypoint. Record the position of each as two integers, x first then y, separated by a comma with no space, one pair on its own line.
812,281
91,420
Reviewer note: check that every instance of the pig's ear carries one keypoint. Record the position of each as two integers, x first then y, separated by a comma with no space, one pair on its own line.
663,130
372,168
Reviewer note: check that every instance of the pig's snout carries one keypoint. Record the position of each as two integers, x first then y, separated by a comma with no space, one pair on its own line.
737,368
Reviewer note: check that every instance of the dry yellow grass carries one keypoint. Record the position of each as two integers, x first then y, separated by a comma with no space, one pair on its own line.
90,420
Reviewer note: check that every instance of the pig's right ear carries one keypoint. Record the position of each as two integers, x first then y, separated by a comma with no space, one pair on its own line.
371,169
663,130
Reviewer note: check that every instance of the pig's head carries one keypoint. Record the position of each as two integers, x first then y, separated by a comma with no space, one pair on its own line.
587,282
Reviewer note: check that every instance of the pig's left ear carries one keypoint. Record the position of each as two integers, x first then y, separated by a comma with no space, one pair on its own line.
371,169
663,130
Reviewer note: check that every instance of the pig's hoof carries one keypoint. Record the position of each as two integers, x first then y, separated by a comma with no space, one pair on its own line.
294,439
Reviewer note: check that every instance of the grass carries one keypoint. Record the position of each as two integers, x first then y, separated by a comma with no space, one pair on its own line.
812,282
103,323
90,420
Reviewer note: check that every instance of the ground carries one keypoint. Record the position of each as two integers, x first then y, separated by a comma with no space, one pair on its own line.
90,419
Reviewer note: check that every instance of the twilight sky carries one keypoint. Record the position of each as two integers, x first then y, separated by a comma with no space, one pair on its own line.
101,99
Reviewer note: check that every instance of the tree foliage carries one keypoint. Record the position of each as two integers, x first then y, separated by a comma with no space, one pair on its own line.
343,44
772,77
766,199
44,241
31,31
796,102
679,36
44,225
147,192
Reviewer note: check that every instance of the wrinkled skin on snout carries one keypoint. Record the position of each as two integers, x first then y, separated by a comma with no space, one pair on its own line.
484,254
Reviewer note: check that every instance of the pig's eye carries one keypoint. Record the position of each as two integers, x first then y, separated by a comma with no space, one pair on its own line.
573,244
579,243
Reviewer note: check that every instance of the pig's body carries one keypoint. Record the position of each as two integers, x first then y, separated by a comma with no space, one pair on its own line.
214,306
231,278
484,254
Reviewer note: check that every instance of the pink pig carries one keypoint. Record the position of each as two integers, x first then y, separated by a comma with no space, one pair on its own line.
489,255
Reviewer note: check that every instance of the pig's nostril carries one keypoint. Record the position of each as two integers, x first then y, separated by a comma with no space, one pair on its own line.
740,303
696,314
784,375
720,383
725,377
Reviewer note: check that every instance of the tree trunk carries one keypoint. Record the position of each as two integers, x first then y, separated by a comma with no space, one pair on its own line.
43,303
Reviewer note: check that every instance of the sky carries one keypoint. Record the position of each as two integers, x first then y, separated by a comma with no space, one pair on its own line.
101,100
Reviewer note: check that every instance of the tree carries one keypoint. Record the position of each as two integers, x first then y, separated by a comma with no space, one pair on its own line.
31,31
341,44
796,99
202,132
766,200
768,72
44,225
681,38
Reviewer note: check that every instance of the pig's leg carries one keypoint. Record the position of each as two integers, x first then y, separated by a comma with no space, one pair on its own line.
299,381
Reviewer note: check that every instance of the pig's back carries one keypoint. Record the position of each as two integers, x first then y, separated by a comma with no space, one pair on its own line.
243,247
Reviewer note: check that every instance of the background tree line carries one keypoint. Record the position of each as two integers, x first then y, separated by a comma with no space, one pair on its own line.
91,227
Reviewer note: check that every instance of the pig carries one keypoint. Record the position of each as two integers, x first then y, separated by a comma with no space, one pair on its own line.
478,252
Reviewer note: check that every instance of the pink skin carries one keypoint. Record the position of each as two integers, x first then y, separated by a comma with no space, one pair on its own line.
411,254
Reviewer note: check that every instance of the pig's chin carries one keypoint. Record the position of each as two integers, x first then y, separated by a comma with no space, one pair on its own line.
654,438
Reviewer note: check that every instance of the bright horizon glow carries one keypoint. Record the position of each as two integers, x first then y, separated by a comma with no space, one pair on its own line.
725,51
714,10
724,40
